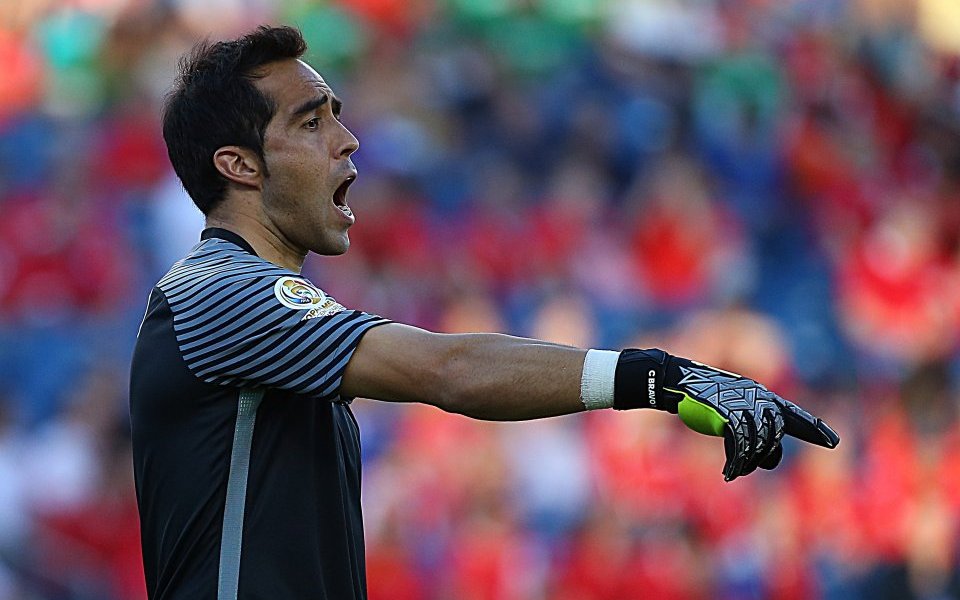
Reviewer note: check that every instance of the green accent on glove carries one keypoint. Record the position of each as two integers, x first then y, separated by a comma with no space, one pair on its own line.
698,416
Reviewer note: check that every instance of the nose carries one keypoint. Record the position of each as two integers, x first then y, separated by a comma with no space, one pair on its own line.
349,144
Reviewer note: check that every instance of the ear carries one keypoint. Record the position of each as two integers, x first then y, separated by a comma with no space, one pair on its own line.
238,164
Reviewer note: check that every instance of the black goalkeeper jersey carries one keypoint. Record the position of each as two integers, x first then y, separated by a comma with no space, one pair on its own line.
247,461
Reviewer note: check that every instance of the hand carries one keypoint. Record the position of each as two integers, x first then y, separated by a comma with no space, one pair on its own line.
751,419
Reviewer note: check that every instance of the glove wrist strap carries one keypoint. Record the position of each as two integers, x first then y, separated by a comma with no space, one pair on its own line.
639,380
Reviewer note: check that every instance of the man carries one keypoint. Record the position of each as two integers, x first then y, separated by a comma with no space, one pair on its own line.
246,454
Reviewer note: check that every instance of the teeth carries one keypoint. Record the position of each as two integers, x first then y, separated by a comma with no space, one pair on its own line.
340,197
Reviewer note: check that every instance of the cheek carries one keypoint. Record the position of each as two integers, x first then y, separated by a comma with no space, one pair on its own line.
306,171
291,176
297,173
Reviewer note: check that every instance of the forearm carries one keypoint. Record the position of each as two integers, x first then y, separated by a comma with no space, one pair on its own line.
484,376
504,378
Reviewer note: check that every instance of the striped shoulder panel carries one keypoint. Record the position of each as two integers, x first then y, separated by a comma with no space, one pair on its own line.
240,320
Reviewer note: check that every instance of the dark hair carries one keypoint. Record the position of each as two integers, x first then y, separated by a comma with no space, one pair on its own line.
214,104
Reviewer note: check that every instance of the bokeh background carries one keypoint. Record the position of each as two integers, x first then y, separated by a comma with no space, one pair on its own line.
772,186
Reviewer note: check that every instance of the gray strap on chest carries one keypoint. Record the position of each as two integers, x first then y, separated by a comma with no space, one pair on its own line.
232,538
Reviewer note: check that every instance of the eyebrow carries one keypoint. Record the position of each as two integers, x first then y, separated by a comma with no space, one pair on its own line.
315,103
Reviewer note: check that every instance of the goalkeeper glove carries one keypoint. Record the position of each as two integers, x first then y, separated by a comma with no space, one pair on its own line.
751,419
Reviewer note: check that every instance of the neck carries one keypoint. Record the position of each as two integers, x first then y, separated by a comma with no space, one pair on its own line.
267,242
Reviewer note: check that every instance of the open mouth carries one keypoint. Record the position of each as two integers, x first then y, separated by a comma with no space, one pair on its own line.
340,196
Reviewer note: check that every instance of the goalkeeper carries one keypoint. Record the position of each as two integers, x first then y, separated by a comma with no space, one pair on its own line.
246,453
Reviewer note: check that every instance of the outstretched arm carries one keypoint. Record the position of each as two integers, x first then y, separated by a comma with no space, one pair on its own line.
503,378
481,375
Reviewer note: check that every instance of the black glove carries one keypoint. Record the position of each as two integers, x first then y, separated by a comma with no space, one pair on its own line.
751,419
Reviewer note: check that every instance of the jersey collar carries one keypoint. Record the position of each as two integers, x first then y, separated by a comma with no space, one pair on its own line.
226,234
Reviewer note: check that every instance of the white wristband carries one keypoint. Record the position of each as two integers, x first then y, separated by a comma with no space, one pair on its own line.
596,382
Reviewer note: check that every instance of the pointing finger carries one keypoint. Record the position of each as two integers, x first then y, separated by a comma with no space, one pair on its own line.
802,425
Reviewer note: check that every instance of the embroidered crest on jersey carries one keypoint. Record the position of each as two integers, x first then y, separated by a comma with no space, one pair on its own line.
300,294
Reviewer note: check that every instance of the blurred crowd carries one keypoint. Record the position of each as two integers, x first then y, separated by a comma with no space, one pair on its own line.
770,186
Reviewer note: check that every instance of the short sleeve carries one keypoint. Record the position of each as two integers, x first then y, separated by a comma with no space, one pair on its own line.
266,329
